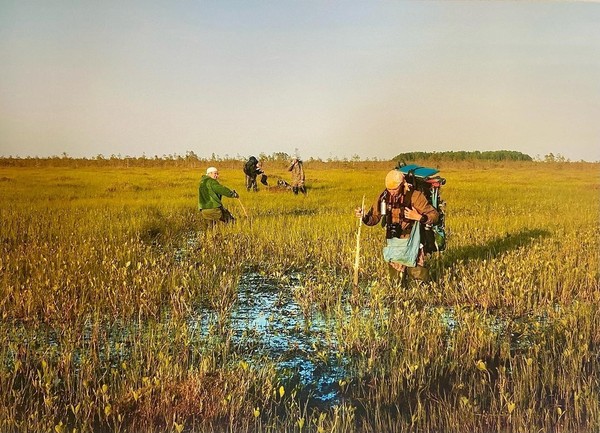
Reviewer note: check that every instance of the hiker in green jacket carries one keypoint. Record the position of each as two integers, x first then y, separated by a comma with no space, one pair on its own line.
210,192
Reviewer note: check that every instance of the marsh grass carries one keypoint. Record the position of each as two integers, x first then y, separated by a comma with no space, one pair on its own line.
102,269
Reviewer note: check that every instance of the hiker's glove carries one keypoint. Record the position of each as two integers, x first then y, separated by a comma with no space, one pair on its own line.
234,194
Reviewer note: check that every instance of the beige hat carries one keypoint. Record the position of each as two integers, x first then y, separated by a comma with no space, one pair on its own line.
210,170
394,179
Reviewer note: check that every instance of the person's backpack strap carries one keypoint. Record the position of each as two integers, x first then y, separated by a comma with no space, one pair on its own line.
407,198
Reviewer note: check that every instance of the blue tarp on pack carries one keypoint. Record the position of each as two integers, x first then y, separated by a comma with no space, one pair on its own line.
417,170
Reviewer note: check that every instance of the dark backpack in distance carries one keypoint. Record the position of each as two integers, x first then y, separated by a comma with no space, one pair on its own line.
250,166
427,181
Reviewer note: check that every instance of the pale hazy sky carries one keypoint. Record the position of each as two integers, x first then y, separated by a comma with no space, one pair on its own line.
329,78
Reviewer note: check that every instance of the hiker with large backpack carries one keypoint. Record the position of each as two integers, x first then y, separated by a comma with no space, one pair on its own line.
252,169
427,181
402,210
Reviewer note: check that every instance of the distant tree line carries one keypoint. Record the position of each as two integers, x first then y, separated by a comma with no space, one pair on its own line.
189,160
492,155
192,160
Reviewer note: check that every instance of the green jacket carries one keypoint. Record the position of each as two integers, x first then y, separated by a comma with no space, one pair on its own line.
210,192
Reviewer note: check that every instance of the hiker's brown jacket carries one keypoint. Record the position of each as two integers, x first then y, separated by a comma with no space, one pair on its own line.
396,225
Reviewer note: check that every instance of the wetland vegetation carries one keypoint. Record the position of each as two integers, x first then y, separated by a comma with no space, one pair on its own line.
119,314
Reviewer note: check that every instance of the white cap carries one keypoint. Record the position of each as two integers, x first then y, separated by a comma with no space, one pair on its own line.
210,170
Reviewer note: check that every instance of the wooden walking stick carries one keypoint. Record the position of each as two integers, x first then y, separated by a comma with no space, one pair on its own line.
243,208
357,254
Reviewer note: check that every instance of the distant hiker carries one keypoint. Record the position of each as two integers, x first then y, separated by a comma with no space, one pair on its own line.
252,168
210,192
402,209
297,176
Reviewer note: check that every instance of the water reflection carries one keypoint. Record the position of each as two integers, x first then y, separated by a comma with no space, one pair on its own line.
266,321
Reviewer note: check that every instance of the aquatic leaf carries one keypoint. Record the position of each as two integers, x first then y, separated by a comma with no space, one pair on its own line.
511,407
75,409
481,365
281,391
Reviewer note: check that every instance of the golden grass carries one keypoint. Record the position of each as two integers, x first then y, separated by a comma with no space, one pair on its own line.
101,270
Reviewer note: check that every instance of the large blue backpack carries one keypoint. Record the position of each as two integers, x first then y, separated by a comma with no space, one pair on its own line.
427,181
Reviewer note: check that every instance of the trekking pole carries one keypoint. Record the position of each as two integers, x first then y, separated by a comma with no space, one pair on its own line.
357,254
243,208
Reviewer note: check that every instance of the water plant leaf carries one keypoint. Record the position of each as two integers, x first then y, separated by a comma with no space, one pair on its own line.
511,407
481,365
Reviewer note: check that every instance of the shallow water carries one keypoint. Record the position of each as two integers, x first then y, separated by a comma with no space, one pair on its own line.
267,321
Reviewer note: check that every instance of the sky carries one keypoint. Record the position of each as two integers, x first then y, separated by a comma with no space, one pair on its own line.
323,79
